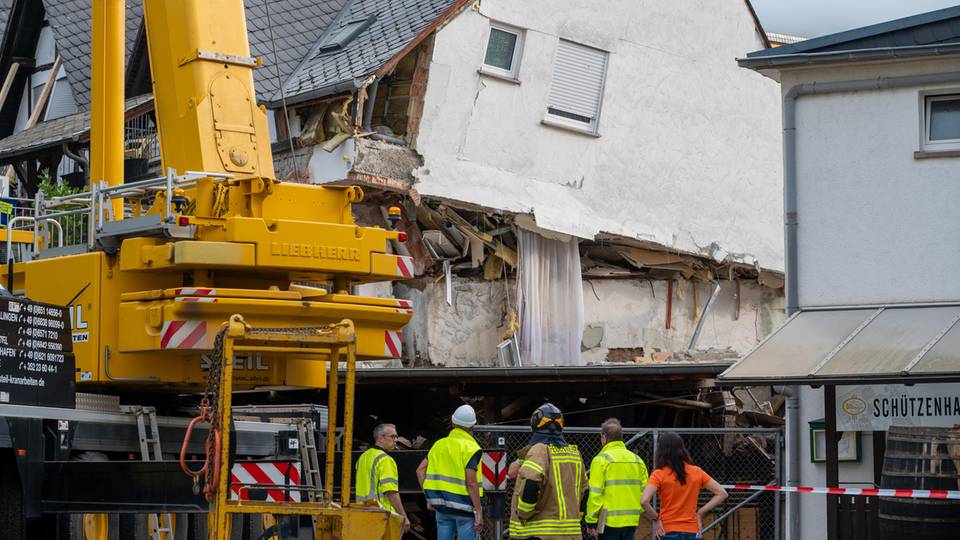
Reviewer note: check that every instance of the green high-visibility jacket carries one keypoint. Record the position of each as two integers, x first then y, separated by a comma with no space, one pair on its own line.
377,476
617,479
446,485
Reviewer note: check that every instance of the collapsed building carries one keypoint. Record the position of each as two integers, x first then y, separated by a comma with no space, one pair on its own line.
574,184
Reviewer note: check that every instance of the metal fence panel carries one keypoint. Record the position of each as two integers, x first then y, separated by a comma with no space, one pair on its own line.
729,455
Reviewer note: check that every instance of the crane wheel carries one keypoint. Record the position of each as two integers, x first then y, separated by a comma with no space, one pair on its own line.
146,527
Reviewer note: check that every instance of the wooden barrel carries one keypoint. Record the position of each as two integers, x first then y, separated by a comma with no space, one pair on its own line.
920,458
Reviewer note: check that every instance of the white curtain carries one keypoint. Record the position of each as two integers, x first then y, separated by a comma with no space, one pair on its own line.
551,301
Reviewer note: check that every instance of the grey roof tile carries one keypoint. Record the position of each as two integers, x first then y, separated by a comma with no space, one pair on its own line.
296,26
933,28
396,23
5,6
71,24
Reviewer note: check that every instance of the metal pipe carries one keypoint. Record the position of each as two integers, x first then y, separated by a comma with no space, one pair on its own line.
107,106
778,471
791,223
387,138
736,507
84,164
703,317
349,391
333,384
10,224
368,105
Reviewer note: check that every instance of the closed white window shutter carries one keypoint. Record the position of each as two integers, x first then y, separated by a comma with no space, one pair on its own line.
577,85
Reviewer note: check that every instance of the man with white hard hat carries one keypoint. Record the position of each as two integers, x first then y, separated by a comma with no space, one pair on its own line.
450,478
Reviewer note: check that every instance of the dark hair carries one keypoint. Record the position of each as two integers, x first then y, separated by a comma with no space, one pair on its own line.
612,429
671,452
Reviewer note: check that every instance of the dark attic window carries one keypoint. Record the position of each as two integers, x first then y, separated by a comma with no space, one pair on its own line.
340,36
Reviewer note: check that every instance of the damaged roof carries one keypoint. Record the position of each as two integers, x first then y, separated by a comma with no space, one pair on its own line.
297,25
935,32
364,37
310,47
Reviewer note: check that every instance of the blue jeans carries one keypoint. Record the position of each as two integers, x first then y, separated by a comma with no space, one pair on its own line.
448,523
679,536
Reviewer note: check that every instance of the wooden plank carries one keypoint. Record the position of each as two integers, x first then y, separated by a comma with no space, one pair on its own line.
41,103
859,519
8,82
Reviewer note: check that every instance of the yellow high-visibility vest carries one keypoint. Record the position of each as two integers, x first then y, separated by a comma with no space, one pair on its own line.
617,479
376,476
445,485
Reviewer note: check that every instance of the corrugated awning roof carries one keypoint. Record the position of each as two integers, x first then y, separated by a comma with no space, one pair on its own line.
881,344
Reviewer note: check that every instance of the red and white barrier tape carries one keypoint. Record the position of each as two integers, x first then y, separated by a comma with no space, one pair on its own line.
866,492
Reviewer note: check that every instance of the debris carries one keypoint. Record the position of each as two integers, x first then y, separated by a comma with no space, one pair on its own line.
677,402
774,280
624,354
439,244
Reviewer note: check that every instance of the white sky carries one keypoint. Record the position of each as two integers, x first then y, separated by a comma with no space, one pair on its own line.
811,18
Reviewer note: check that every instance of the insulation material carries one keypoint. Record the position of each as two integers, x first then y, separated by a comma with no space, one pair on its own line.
550,289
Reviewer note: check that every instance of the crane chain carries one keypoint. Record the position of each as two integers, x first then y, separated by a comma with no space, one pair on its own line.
211,396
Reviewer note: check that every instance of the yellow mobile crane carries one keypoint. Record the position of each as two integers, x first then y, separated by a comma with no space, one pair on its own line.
215,275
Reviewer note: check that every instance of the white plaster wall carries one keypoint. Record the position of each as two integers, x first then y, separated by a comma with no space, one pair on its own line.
813,508
466,333
632,314
876,225
689,148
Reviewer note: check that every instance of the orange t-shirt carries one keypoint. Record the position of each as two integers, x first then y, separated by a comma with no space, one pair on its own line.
678,503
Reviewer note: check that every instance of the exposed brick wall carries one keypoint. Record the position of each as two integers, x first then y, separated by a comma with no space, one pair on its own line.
418,89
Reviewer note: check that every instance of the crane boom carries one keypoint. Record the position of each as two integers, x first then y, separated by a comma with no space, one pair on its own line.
207,112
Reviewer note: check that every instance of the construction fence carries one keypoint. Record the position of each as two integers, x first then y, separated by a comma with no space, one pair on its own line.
729,455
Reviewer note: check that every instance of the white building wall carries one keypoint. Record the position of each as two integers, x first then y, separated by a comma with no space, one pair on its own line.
876,225
688,153
631,314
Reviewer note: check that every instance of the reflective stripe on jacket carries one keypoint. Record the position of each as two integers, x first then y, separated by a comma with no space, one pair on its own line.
445,485
617,479
563,482
377,475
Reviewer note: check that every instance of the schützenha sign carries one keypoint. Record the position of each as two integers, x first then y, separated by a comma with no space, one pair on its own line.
877,407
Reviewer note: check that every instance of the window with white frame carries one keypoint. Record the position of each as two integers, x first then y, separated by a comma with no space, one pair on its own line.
941,122
576,88
504,47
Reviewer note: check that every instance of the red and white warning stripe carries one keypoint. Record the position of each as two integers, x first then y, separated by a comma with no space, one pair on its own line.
403,303
493,469
183,335
392,340
866,492
195,299
404,266
195,291
273,473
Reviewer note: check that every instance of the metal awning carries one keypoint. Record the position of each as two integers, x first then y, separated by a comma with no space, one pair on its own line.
876,344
